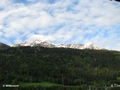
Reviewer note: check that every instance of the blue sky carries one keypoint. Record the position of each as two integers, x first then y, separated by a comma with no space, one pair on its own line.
61,21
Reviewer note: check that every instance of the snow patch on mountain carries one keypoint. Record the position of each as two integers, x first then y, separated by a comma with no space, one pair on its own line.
48,44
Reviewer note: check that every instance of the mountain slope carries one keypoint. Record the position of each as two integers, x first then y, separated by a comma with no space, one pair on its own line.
59,65
3,46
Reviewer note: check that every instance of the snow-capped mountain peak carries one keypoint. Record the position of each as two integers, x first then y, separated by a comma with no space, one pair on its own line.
37,41
88,44
48,44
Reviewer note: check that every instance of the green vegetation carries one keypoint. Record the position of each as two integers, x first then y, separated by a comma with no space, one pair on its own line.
118,78
59,66
116,88
43,84
50,86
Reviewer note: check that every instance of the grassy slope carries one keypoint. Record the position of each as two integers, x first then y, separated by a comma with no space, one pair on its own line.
44,84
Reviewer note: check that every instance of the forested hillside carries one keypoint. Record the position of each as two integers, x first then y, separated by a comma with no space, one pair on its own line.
59,65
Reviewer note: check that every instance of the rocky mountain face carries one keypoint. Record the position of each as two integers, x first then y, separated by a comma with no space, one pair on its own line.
51,45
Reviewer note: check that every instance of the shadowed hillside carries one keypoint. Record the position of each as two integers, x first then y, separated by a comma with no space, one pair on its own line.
3,46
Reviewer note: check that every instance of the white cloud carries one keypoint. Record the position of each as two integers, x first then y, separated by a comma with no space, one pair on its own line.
3,3
62,22
41,37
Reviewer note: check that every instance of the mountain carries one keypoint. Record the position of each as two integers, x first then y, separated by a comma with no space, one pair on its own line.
3,46
51,45
71,67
